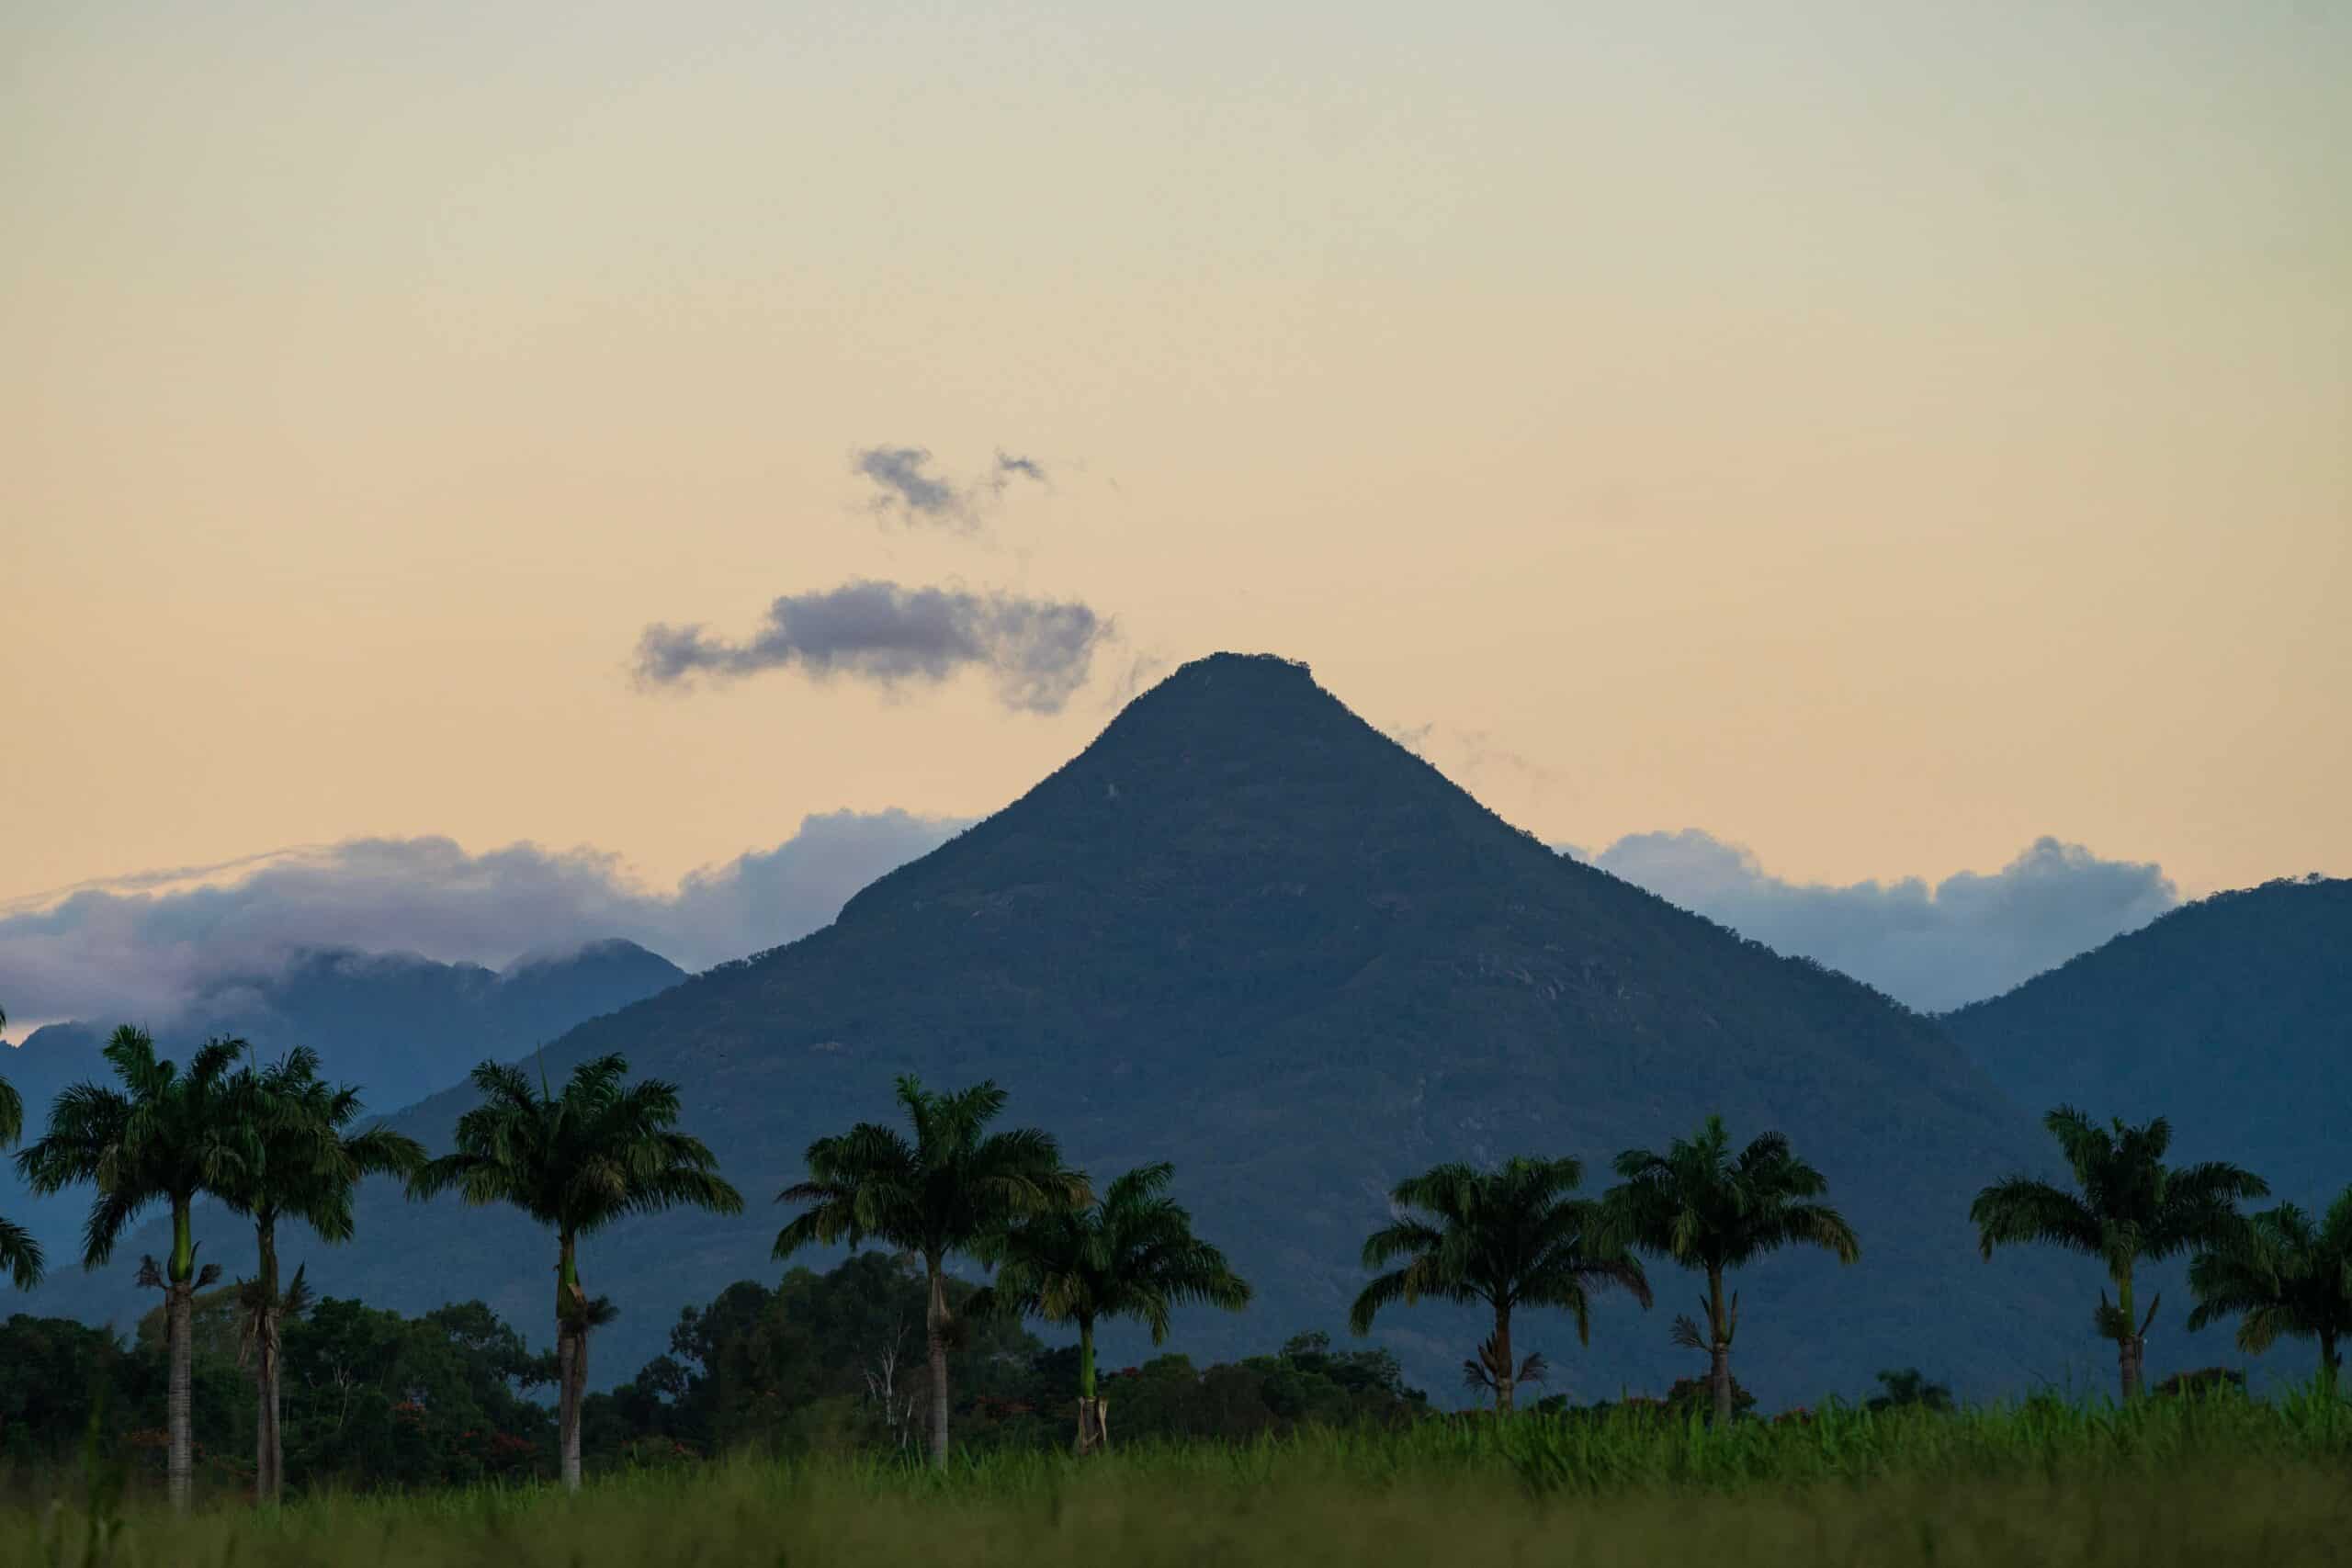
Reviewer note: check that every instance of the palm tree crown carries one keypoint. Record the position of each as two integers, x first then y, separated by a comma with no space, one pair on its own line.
1131,1255
1711,1211
311,1162
1502,1238
578,1161
2282,1275
955,1184
2128,1205
1701,1206
20,1255
164,1137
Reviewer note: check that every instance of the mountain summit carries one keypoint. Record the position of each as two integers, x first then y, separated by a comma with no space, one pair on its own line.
1246,933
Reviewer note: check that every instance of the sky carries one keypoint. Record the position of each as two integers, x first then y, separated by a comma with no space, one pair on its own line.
1873,438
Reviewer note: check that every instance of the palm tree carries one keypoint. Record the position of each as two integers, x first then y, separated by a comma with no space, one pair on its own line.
956,1185
310,1169
164,1137
2286,1276
1132,1255
576,1162
1502,1238
1708,1210
19,1253
2130,1206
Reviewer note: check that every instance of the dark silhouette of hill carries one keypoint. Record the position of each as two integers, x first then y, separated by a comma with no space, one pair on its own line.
1246,933
399,1025
2232,1016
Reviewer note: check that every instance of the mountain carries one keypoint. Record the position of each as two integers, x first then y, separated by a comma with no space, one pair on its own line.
2231,1016
1246,933
399,1025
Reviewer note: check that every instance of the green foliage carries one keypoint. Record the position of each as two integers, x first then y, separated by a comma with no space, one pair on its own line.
1306,1385
2280,1274
820,1363
2168,1483
1909,1388
377,1400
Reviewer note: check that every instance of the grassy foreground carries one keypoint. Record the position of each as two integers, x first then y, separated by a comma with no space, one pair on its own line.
2190,1482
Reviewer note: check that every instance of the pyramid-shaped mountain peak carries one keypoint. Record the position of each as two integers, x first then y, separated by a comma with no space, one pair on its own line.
1232,769
1245,932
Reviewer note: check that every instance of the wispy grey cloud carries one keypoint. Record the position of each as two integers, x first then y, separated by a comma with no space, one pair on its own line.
116,955
908,489
1037,651
1967,936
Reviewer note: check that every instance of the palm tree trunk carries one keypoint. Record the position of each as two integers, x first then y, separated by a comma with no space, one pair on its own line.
566,1348
1505,1367
1092,1434
571,1315
179,1317
2128,1345
579,1398
268,1450
1718,1349
935,1341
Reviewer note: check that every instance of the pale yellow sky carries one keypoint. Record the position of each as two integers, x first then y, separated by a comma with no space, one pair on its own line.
1879,434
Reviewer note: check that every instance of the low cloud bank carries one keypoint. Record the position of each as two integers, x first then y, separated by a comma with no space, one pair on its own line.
1967,936
115,952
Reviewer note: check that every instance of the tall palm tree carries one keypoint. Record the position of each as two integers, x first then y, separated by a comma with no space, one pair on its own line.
162,1137
576,1162
2284,1275
949,1190
2130,1206
1709,1210
1132,1255
1503,1238
19,1253
309,1170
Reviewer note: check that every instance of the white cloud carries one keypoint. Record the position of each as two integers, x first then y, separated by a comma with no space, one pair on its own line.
116,950
1968,936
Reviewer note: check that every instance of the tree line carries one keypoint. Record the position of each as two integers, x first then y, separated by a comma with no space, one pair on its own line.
275,1141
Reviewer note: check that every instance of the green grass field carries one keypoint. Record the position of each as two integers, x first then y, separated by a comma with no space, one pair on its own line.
2197,1481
